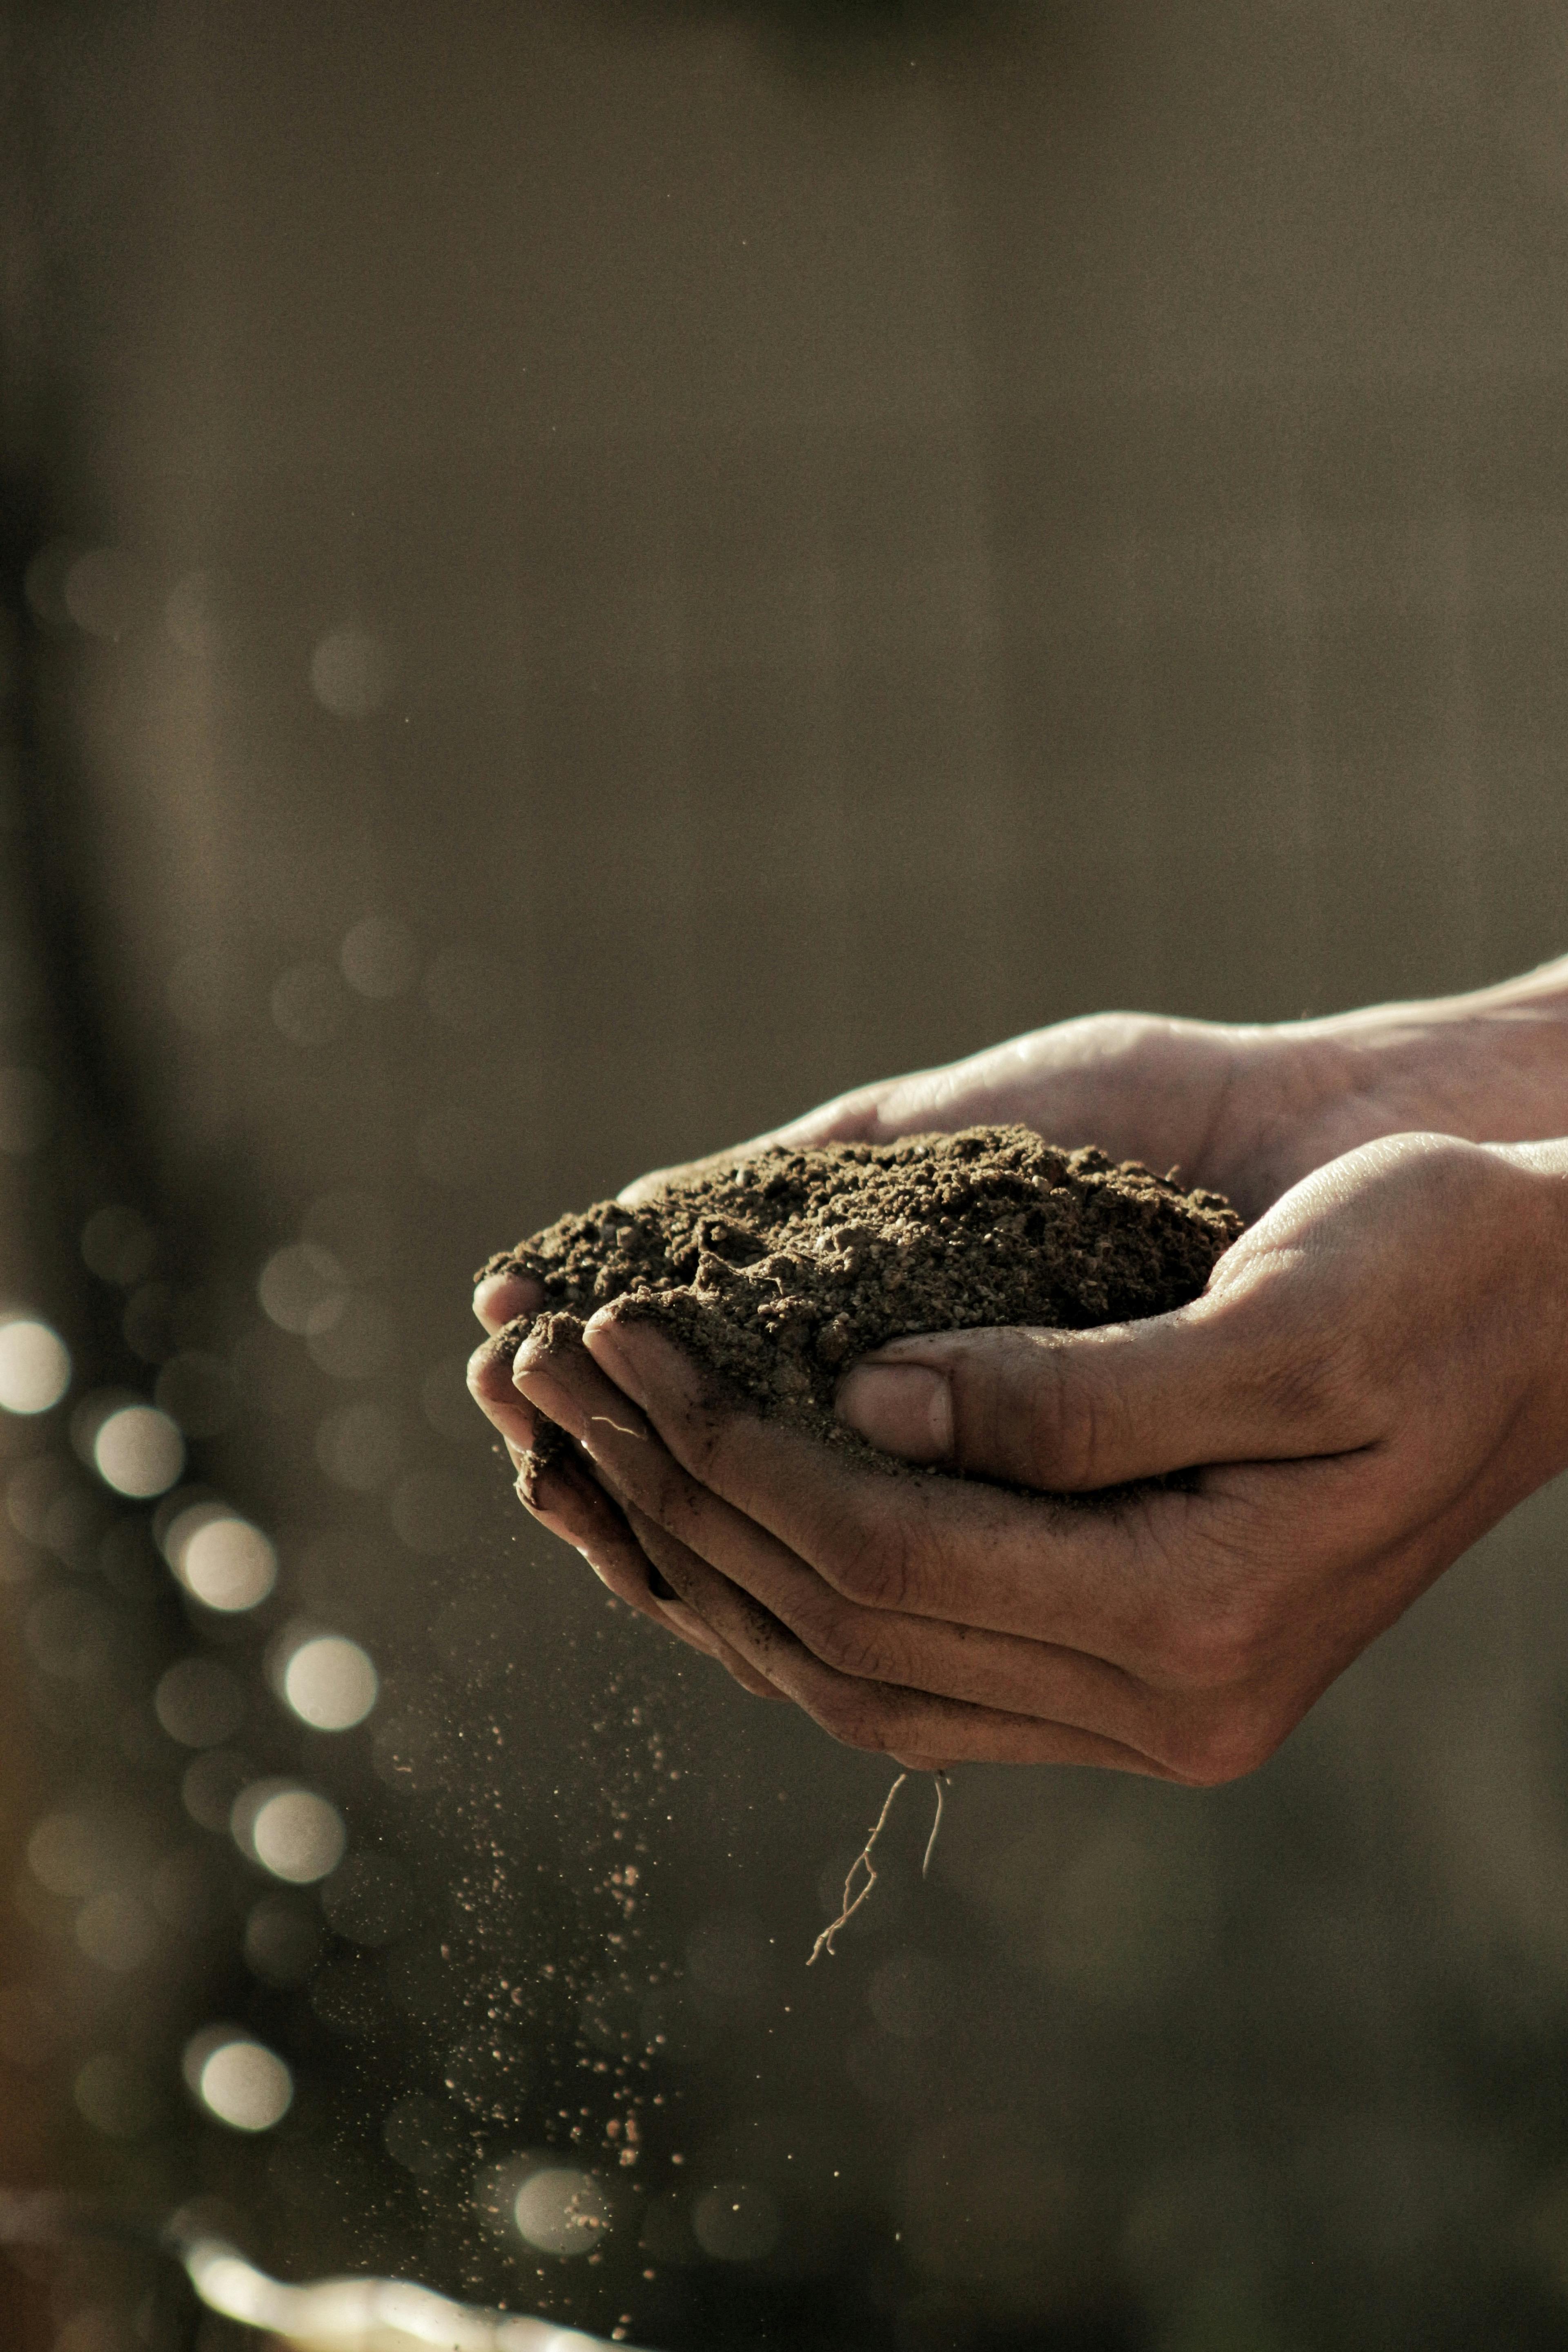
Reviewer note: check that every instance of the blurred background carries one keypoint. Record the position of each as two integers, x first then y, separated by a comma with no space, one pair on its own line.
578,575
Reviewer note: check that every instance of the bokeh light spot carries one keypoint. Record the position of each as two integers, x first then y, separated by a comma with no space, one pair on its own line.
351,673
115,2096
561,2212
35,1366
222,1559
117,1930
199,1703
291,1832
139,1452
308,1003
331,1683
102,593
302,1287
380,957
71,1854
118,1246
239,2081
230,1565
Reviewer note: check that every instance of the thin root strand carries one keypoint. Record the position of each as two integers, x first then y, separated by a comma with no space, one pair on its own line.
939,1779
853,1896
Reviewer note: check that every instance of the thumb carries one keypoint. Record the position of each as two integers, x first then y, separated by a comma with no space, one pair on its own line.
1065,1411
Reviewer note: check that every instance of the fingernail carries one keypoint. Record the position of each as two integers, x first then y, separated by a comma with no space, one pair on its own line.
604,1344
905,1409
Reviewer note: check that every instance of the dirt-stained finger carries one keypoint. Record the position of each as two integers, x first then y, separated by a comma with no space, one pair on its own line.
874,1716
503,1405
571,1504
504,1298
1099,1578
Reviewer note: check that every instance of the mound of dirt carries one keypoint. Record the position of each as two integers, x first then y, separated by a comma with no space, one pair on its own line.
777,1271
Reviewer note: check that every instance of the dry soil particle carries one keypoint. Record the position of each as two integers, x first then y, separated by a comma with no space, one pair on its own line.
777,1271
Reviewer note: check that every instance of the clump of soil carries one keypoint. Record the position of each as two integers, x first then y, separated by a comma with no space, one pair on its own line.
777,1271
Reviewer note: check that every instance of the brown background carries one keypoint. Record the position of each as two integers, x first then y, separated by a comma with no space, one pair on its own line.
884,528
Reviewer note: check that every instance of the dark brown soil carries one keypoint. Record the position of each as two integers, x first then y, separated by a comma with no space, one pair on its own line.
776,1272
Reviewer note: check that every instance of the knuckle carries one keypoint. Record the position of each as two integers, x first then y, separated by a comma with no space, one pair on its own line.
852,1716
849,1647
1212,1653
1214,1641
667,1494
1067,1413
873,1562
700,1437
1326,1391
1229,1745
489,1371
1069,1425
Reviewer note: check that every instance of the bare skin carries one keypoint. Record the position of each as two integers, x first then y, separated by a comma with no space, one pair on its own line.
1374,1376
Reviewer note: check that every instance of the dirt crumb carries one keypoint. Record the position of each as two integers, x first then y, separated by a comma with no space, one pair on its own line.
778,1270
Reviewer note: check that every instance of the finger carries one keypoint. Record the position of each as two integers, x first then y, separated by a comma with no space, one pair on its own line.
665,1604
503,1405
1225,1379
1093,1579
563,1498
603,1537
504,1298
566,1502
1003,1671
872,1715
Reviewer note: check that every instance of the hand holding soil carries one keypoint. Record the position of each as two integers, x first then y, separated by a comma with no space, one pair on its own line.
1372,1378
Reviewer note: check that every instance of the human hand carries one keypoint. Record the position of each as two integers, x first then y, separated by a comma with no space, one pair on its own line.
1374,1376
1244,1108
1146,1089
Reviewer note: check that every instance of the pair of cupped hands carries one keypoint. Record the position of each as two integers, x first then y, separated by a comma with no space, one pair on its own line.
1375,1373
